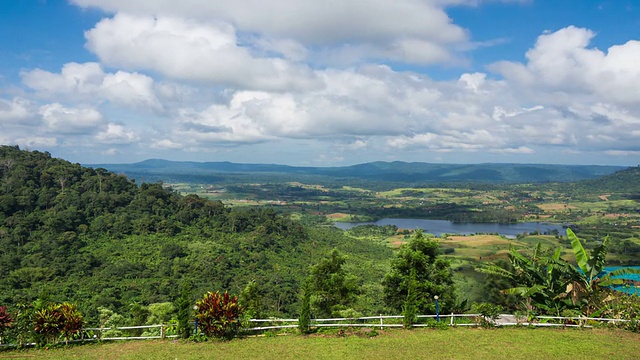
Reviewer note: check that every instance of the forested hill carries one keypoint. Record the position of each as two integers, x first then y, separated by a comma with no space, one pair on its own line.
85,235
623,181
397,171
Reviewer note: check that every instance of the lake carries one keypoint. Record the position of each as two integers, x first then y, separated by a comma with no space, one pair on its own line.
438,227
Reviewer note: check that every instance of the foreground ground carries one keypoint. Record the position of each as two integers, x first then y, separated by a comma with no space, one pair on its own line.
458,343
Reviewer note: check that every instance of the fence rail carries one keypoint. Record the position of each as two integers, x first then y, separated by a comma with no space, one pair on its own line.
380,321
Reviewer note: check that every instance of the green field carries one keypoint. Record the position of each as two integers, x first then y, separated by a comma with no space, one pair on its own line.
457,343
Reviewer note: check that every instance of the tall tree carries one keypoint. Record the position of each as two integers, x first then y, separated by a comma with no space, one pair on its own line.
433,276
333,289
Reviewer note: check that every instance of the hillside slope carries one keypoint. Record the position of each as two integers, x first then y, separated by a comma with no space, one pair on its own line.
71,233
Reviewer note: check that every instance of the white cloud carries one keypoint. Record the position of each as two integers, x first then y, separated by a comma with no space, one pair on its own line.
190,50
248,76
562,62
61,120
116,134
15,110
111,152
310,22
165,144
90,83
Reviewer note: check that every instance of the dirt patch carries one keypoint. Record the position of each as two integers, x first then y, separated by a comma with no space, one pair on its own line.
611,216
477,240
555,207
604,197
337,215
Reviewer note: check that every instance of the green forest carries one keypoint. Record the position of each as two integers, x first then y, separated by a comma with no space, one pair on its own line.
70,233
125,252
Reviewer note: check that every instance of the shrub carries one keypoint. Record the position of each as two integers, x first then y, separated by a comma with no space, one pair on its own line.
48,322
22,329
219,315
489,313
57,319
71,322
5,321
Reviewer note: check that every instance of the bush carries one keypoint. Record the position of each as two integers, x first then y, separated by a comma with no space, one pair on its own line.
57,319
48,322
219,315
72,320
489,313
5,321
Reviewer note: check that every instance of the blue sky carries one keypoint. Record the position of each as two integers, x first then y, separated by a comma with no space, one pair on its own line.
323,83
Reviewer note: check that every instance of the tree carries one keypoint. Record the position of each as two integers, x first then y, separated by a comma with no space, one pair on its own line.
333,289
251,300
433,276
184,311
304,321
409,309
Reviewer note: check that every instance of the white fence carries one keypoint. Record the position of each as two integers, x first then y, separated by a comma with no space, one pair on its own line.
395,321
380,321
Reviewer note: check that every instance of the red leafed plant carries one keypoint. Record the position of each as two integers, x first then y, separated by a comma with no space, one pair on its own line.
72,320
5,321
48,322
56,319
219,315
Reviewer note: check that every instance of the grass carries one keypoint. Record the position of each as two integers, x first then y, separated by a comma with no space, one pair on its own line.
456,343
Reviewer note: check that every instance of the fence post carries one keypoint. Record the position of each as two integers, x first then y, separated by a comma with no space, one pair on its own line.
381,327
451,323
162,331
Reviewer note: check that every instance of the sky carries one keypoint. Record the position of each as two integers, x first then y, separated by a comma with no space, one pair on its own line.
323,83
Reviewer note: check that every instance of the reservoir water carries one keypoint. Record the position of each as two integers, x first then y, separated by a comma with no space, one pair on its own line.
438,227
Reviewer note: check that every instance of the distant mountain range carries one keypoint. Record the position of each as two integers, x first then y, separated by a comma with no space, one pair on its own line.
397,171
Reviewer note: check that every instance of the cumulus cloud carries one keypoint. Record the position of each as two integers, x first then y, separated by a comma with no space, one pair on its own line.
61,120
116,134
15,110
561,61
330,76
190,50
88,81
311,22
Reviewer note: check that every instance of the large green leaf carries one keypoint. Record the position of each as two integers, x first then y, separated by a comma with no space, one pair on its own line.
493,269
608,279
582,257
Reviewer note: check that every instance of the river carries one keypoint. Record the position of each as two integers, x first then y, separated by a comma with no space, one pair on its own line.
438,227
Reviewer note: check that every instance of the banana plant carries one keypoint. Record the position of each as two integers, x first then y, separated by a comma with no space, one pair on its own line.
542,279
591,274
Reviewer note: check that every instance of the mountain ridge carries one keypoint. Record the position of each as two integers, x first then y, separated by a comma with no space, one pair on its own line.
396,171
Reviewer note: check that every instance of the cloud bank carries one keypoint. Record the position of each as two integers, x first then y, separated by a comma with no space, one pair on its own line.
251,80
